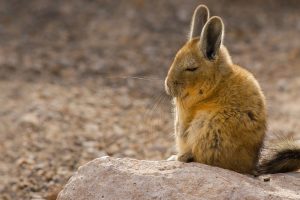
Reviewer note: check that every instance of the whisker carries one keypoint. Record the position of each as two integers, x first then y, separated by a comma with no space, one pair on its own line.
148,110
152,111
162,113
144,78
135,77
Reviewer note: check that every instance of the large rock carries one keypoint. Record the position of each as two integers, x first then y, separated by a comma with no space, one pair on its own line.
113,178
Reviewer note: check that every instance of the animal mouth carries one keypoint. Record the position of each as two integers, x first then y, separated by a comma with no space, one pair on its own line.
185,96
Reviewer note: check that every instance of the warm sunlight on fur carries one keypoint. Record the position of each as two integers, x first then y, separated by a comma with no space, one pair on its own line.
220,115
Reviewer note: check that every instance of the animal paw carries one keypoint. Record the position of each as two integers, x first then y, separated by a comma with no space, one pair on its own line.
172,158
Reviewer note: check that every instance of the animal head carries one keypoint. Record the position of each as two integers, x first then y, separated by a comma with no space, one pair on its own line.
200,64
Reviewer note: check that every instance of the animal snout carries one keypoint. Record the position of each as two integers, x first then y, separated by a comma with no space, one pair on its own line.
171,87
167,86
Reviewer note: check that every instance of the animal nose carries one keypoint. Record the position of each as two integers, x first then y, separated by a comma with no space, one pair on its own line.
168,83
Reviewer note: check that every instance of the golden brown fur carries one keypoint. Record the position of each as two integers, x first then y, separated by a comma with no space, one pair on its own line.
220,116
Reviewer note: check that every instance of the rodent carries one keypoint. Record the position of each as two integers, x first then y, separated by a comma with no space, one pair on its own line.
220,109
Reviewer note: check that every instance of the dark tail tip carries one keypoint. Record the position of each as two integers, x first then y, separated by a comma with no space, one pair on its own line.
284,160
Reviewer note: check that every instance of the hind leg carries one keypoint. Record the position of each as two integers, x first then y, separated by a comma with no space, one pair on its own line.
187,157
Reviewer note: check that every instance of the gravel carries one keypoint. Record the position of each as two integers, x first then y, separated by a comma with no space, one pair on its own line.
84,79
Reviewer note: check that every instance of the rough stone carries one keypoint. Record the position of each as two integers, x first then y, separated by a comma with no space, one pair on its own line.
114,178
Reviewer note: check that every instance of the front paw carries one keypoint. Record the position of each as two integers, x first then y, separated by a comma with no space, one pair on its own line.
172,158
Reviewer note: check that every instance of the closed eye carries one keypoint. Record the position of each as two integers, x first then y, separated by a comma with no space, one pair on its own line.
192,69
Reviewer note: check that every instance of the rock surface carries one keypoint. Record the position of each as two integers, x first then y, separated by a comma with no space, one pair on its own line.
114,178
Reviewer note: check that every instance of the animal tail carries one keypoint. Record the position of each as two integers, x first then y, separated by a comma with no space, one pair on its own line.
280,157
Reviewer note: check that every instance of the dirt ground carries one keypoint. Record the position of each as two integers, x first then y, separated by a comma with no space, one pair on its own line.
83,79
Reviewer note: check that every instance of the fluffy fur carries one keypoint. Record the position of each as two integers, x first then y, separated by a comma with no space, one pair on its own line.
281,156
220,115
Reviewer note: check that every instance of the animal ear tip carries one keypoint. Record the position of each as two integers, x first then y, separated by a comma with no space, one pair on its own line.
202,8
216,19
200,17
217,22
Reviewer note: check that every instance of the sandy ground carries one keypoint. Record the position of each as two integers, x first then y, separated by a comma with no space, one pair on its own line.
85,79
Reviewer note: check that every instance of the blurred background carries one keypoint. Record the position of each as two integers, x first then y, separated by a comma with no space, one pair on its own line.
84,79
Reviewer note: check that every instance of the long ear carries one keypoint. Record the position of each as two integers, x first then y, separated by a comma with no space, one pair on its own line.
212,37
200,17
